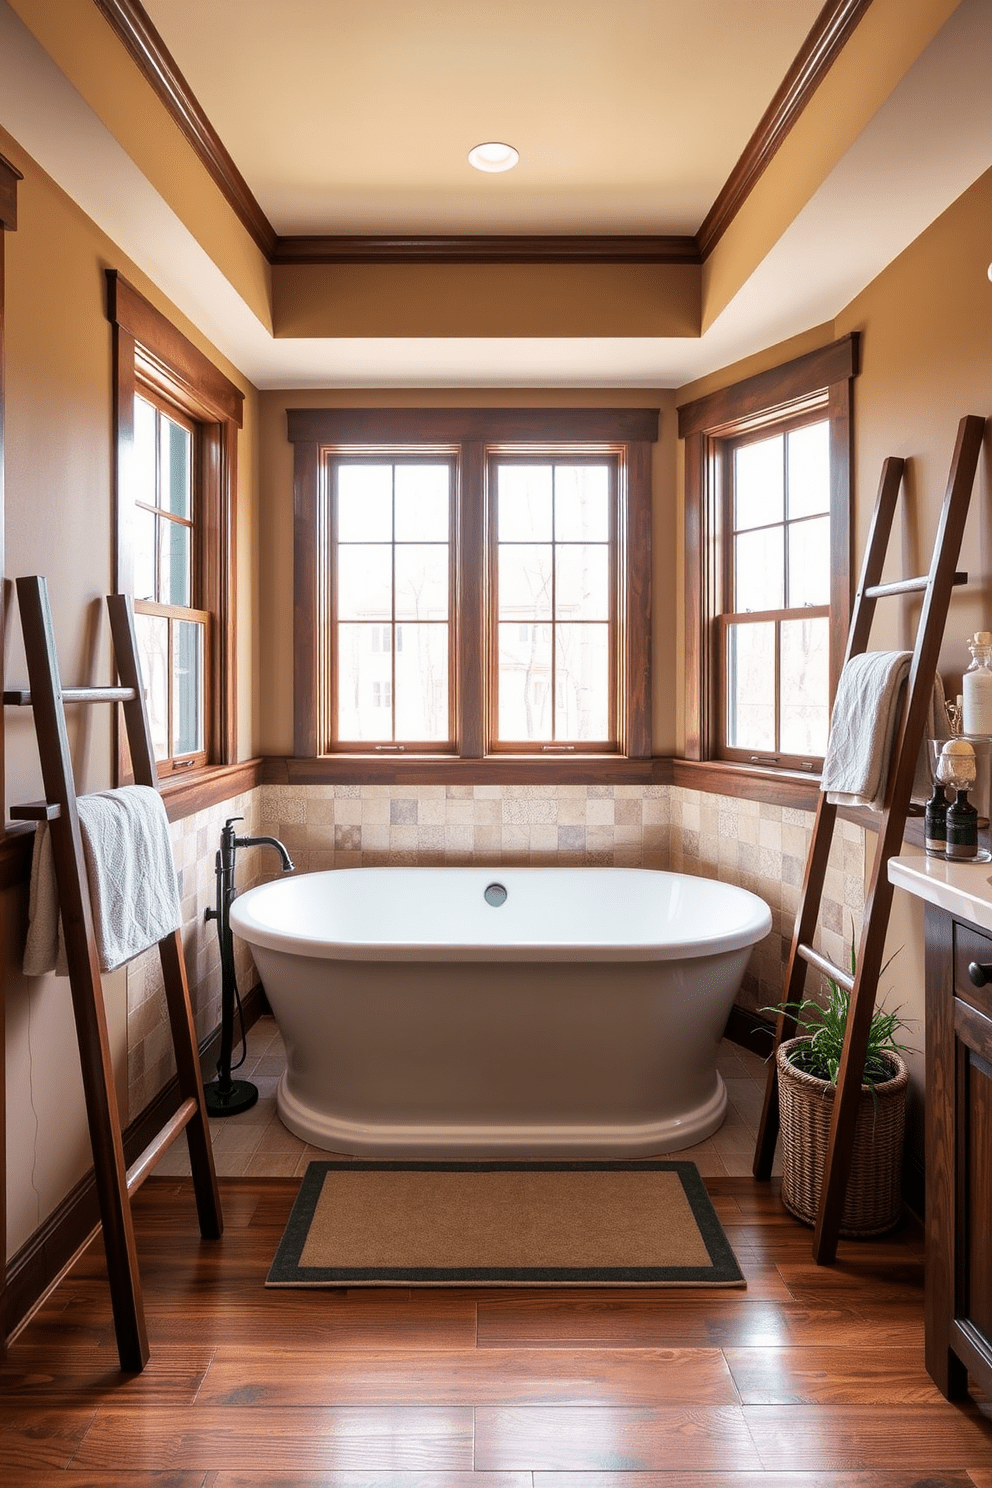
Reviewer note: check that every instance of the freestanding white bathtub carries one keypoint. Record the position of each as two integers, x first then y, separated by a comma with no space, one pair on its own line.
501,1011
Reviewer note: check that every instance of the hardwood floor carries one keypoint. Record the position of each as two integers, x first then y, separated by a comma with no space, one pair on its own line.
811,1378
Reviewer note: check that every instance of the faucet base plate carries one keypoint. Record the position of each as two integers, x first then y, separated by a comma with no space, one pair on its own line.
241,1096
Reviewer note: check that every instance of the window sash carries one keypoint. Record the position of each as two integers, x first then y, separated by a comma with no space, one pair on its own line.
165,717
556,742
397,625
773,754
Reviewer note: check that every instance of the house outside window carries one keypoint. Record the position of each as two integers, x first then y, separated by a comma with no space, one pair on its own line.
477,568
768,588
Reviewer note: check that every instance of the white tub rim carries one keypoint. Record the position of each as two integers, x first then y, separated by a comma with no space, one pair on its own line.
752,927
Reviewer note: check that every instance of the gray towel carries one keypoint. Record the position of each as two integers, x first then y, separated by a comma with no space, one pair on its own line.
862,729
132,881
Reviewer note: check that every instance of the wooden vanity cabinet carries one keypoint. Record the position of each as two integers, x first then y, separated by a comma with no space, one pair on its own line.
958,1155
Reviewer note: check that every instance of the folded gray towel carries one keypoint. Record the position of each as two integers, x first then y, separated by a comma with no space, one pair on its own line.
866,711
132,881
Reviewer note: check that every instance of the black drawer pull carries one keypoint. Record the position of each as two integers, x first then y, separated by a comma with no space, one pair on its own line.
980,972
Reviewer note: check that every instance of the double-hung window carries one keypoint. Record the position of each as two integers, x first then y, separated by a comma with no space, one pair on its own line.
767,476
473,582
176,418
774,637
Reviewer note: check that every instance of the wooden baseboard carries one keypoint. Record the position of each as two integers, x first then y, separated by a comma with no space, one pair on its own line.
39,1265
750,1030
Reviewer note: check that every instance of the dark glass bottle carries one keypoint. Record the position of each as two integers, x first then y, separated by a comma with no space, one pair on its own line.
935,822
962,828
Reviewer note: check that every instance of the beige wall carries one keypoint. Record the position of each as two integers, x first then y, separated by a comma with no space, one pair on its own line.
59,522
274,719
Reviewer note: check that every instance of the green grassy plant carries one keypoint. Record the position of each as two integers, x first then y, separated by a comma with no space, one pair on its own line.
822,1027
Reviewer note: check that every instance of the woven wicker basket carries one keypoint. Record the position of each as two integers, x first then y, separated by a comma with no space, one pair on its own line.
873,1202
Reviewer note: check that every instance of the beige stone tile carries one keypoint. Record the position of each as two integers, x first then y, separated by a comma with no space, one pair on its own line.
519,811
571,811
459,839
543,838
431,811
402,839
460,812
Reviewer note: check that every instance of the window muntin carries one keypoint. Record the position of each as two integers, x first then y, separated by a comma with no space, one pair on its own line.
775,633
553,525
171,631
391,601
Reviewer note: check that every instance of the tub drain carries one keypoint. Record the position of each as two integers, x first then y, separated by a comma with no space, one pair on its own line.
495,895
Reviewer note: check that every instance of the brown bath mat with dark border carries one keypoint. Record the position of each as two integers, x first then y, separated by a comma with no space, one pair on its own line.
361,1223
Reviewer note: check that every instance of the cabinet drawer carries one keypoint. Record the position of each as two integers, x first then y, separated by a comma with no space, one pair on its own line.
972,945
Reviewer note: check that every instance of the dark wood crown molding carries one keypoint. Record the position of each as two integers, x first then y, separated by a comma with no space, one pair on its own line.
502,248
9,177
831,30
133,26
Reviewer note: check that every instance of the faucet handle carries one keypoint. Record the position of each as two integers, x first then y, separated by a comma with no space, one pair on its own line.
232,819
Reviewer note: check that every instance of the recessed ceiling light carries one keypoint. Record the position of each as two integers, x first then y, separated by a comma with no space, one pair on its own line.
493,157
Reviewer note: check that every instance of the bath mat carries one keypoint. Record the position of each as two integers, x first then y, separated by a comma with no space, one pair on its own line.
361,1223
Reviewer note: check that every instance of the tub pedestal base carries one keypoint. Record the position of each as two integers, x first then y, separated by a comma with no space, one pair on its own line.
500,1139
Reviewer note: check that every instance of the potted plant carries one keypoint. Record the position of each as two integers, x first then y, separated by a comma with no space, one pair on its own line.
808,1066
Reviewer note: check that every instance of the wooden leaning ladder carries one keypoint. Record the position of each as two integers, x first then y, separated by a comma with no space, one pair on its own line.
935,587
115,1183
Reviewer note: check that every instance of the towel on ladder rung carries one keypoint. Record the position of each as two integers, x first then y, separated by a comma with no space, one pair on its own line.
134,896
866,710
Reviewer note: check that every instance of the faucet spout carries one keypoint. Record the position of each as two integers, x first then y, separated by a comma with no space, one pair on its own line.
287,862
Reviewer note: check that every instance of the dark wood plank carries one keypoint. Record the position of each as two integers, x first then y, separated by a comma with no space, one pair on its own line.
846,1438
463,1377
624,1440
831,1375
311,1440
901,1478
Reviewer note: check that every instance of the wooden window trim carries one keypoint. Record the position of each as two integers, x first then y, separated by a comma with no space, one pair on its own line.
820,379
314,432
328,636
149,351
614,458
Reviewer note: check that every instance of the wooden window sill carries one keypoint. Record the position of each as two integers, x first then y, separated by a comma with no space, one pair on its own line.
753,782
447,769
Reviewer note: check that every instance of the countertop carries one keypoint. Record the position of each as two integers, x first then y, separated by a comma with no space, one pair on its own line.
964,889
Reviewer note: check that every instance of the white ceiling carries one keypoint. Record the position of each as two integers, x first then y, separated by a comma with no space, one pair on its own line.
930,140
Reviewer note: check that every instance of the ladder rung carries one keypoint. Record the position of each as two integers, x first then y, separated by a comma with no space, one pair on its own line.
36,811
142,1166
824,964
21,697
907,586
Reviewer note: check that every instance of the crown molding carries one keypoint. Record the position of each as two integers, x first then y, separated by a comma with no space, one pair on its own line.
9,177
487,248
828,35
132,25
